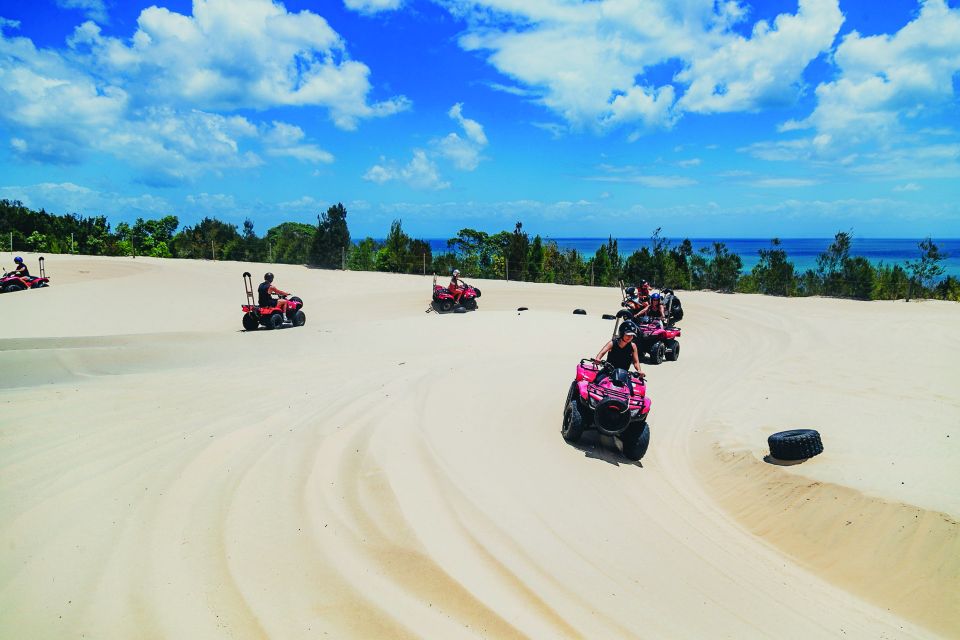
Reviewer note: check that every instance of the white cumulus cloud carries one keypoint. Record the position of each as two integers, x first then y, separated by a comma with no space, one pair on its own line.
161,100
886,79
464,152
372,6
93,9
599,64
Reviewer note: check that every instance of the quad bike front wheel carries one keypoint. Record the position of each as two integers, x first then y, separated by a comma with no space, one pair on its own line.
250,322
272,321
13,288
572,427
657,352
445,306
673,350
635,440
299,318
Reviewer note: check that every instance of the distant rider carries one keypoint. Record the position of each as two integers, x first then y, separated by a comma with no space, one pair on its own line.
622,352
654,308
456,286
264,291
21,268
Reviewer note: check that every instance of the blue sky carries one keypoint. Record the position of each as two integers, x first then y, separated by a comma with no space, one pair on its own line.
703,117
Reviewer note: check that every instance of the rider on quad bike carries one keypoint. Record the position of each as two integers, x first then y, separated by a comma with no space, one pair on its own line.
264,297
21,268
606,397
654,308
622,352
456,286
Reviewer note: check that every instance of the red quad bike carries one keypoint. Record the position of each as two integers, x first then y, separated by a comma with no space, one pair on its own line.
444,301
270,317
613,402
11,282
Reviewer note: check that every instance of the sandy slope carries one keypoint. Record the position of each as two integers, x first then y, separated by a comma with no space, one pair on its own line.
383,472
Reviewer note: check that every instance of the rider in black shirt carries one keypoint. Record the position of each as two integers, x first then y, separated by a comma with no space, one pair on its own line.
21,268
265,299
622,352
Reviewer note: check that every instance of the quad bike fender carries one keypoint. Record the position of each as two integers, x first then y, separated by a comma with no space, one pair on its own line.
587,371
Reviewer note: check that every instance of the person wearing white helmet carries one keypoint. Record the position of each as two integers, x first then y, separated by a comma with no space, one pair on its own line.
456,286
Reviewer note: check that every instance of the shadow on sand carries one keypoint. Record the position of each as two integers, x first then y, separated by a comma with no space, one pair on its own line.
603,448
782,463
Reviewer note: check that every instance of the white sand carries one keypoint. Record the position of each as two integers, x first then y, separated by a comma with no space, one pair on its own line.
383,472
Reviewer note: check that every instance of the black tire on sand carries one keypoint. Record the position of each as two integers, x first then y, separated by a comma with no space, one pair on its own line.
796,444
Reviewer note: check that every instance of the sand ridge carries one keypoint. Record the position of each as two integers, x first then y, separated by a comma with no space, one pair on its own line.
383,472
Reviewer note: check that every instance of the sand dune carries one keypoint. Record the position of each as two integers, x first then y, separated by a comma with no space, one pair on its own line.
384,472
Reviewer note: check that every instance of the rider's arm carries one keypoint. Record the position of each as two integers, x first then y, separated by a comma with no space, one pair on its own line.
636,359
273,289
604,351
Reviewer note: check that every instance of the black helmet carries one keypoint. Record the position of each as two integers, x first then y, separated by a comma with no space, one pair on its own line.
628,327
268,276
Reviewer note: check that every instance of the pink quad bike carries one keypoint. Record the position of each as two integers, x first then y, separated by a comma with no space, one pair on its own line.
12,282
444,301
255,316
613,402
658,340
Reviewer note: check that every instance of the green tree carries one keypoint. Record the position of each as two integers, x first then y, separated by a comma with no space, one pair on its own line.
332,238
535,260
927,268
830,264
37,241
290,242
394,255
773,274
517,253
715,268
363,255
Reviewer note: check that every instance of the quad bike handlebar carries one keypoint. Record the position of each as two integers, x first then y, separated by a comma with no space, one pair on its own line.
606,366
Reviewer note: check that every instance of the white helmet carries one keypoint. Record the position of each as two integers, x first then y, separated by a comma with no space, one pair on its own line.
456,272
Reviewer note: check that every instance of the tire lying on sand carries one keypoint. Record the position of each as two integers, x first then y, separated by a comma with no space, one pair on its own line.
796,444
579,312
521,308
608,316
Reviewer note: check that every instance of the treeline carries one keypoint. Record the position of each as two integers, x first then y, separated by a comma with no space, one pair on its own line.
504,255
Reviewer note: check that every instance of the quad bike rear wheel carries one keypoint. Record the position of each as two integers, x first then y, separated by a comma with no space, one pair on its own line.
250,322
635,440
657,352
272,321
299,318
673,350
445,305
